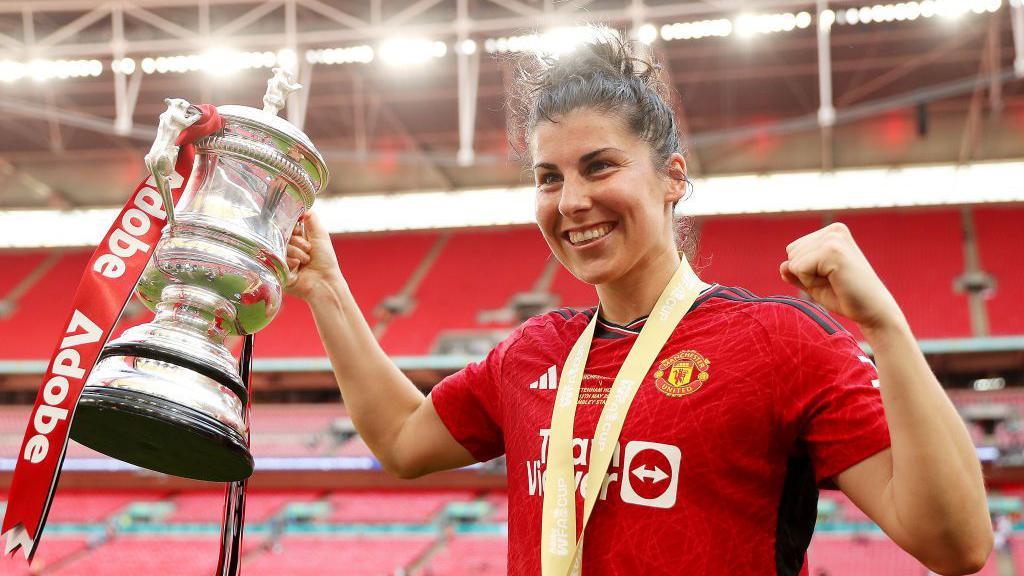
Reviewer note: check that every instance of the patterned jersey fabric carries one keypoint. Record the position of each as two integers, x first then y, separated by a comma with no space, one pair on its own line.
751,406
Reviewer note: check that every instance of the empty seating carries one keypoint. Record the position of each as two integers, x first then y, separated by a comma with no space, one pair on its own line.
298,555
470,556
208,507
53,551
379,507
477,271
746,251
918,253
843,555
82,507
919,256
33,326
1000,237
137,554
375,266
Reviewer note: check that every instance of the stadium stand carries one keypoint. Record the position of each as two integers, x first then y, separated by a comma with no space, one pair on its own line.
470,555
36,317
747,251
375,266
843,555
207,507
1000,235
92,506
458,280
296,555
923,286
131,555
475,272
410,508
59,549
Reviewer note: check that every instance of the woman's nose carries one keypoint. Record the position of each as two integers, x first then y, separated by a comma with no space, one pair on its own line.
575,198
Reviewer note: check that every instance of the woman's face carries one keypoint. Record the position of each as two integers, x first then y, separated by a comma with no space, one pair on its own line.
601,205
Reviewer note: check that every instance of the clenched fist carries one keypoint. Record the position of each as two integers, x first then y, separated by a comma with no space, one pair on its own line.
311,260
829,266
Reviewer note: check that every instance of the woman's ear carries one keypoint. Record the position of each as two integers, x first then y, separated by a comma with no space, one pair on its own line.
676,168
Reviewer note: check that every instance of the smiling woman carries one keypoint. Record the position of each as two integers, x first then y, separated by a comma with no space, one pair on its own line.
677,423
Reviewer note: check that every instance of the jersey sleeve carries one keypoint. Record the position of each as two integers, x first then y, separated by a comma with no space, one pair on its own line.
469,403
834,405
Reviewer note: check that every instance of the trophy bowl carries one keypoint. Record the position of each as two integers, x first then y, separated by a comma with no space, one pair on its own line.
167,395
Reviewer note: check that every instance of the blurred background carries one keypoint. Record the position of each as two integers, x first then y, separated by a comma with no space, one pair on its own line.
904,121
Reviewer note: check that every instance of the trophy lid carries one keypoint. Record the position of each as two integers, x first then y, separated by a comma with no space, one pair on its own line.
286,136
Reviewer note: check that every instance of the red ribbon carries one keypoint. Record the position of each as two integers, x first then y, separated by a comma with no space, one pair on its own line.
110,278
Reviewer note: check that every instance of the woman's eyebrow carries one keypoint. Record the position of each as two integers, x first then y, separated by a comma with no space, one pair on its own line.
590,155
583,159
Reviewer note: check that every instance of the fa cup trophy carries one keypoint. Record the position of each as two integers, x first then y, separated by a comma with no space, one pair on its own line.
168,395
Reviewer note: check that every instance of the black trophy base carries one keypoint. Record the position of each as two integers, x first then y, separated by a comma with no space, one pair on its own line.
160,435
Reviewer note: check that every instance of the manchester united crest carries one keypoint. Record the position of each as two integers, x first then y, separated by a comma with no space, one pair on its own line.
682,374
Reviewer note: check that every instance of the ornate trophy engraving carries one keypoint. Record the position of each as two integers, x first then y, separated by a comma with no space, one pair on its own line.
168,395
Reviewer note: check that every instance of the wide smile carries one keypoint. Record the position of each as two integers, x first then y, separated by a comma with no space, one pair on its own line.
590,235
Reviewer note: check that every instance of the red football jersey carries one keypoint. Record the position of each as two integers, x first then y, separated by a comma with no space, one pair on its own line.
752,405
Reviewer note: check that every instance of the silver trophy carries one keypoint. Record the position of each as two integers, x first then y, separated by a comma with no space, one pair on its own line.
168,395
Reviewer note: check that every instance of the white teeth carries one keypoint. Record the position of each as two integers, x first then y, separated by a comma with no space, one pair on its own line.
576,237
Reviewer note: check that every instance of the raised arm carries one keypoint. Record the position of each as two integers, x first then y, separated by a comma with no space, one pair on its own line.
926,492
393,417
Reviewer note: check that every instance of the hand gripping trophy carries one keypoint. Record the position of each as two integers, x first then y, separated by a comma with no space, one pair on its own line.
168,395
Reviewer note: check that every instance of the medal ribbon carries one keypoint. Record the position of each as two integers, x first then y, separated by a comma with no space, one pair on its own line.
106,287
560,551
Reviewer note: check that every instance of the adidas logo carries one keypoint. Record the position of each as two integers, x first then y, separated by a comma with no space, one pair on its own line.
547,381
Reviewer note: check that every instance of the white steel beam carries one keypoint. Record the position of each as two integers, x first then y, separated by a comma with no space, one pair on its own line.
343,18
158,22
1017,22
75,26
250,17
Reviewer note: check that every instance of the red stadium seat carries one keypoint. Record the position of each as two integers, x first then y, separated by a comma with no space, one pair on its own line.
298,555
375,266
136,554
476,271
54,550
381,507
35,325
746,251
921,273
843,555
208,507
470,556
92,506
1000,237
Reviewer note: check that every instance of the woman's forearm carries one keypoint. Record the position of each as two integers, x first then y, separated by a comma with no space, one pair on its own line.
937,489
380,399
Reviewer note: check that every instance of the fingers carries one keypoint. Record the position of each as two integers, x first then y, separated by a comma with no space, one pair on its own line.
298,251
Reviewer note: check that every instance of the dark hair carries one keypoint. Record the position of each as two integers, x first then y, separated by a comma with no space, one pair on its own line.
610,75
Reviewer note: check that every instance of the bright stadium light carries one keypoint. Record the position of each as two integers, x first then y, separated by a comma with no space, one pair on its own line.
749,25
909,11
43,70
361,54
409,51
647,33
554,42
941,185
467,46
123,66
695,30
287,58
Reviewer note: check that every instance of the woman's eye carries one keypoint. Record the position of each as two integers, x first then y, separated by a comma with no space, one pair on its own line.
549,178
598,166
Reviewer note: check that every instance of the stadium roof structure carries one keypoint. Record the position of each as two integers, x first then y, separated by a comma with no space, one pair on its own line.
406,95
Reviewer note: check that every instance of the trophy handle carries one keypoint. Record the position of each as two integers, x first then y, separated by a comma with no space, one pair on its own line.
230,562
163,154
